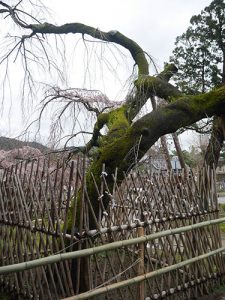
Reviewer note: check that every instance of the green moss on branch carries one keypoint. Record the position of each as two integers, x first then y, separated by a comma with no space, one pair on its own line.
118,149
155,86
112,149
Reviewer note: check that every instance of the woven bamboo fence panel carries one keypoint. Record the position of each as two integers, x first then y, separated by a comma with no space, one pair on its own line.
34,203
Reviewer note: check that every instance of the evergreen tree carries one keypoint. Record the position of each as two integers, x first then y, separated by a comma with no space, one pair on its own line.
200,51
200,58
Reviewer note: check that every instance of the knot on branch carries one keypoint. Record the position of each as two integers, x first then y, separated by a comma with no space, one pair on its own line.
112,32
168,72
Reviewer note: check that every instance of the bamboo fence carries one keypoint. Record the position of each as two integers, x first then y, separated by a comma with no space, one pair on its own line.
34,202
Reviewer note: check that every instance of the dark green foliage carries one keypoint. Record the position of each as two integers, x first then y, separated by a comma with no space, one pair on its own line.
4,296
200,51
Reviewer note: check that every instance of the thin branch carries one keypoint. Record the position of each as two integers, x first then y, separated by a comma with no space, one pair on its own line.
112,36
74,135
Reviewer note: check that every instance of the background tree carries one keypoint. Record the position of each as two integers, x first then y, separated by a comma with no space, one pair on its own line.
200,57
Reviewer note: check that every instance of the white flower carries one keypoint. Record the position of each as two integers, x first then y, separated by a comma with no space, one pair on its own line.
104,173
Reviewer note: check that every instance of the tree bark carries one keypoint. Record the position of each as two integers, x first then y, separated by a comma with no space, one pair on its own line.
179,152
126,144
216,142
166,152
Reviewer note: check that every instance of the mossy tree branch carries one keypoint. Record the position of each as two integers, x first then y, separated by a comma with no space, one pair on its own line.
150,86
121,152
113,36
180,113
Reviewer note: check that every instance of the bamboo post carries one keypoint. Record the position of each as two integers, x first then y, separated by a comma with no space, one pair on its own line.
141,266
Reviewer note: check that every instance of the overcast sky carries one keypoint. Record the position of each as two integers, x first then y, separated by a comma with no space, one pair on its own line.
153,24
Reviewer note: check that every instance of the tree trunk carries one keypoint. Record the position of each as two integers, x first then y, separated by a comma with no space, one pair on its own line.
166,152
216,142
179,151
163,140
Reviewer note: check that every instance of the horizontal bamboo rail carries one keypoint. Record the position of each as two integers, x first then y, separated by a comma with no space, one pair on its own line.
139,223
138,279
112,246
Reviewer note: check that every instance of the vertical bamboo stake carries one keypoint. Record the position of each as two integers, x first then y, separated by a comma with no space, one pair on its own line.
141,266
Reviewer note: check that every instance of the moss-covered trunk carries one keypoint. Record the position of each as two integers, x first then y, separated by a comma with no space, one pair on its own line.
126,143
